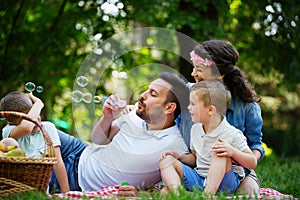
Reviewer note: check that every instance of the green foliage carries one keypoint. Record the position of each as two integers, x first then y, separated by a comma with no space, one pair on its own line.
34,195
265,34
35,43
280,173
46,42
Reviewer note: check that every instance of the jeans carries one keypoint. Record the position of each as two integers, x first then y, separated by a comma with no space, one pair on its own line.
193,181
71,149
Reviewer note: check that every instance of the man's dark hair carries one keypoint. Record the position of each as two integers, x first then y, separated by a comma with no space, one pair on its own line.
178,93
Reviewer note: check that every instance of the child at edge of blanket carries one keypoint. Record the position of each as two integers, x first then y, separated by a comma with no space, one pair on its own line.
28,135
214,145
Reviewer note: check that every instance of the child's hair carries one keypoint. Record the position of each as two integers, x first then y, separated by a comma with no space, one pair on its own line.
212,92
15,101
225,56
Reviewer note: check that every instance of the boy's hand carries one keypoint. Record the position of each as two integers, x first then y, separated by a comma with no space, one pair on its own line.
175,154
34,99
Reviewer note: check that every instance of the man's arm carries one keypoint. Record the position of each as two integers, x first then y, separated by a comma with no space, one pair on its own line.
105,129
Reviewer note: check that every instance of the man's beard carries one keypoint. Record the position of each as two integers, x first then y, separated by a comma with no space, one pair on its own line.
154,115
141,111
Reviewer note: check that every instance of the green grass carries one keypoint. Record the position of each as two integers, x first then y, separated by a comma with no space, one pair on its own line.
281,174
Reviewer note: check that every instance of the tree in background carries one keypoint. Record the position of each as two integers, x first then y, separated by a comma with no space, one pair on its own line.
46,42
266,36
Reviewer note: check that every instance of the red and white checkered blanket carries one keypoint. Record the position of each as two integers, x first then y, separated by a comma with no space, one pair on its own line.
106,192
269,192
110,191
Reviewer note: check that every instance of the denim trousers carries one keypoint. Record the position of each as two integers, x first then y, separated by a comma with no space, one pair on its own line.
71,149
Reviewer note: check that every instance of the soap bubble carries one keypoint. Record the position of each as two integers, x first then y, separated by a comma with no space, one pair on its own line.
39,89
122,103
82,81
76,96
98,51
29,87
104,99
87,97
97,99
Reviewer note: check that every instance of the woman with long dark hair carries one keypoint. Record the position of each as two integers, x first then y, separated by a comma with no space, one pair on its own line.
217,59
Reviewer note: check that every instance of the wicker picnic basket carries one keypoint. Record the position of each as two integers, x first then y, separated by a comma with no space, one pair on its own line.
34,172
8,187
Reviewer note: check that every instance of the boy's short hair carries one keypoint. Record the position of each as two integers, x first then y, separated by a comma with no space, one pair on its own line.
213,92
16,101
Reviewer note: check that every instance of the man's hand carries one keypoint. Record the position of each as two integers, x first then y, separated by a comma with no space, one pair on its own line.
126,191
113,106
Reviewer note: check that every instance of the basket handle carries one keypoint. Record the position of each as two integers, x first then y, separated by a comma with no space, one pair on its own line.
48,141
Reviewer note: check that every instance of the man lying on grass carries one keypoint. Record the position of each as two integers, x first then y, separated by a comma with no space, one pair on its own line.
134,142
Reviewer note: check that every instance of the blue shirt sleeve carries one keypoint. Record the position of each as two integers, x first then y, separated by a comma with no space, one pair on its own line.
253,127
247,118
